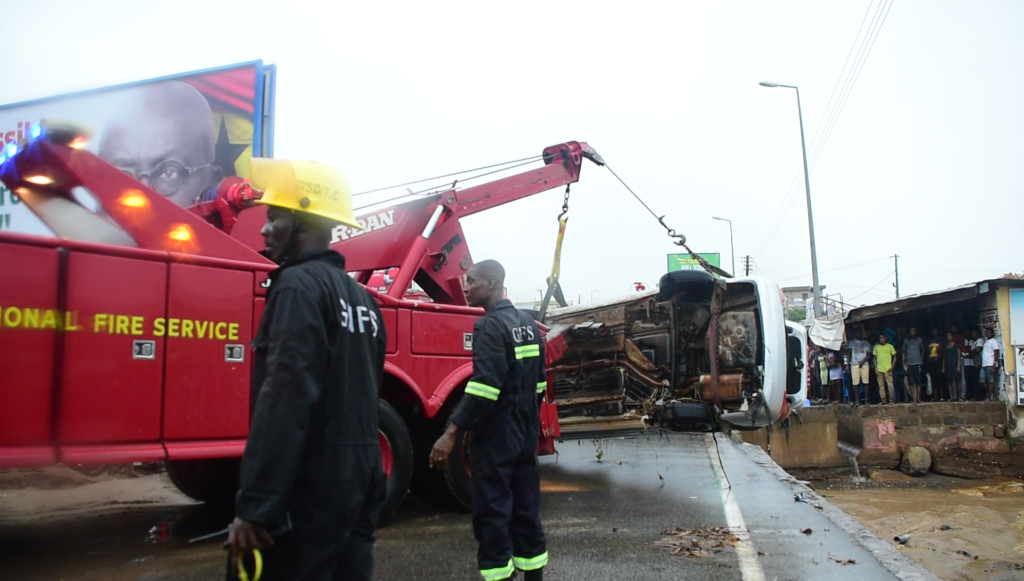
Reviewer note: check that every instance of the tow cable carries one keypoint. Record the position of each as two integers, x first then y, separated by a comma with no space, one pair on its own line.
679,239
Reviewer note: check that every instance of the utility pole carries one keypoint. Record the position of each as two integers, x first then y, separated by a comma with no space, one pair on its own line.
746,265
896,259
818,307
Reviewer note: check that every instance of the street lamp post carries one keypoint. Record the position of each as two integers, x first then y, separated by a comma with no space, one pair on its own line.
818,310
732,249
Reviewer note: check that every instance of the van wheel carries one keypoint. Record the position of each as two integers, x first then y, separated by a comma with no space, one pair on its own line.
396,453
685,416
212,480
697,284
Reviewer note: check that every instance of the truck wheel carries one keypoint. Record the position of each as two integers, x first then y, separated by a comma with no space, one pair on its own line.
432,486
697,284
456,472
396,455
214,480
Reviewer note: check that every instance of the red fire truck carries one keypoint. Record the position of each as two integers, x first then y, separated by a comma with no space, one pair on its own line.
125,337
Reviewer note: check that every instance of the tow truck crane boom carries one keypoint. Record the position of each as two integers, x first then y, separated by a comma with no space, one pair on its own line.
426,240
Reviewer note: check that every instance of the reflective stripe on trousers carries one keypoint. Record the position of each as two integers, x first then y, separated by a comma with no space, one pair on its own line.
531,564
499,573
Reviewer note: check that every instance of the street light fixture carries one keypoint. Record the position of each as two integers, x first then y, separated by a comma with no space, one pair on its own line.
592,295
732,249
818,310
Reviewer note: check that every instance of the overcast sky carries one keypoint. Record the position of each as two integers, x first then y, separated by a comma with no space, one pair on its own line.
924,161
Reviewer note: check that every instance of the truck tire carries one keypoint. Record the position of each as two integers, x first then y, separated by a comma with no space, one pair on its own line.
697,284
397,456
687,416
213,480
457,473
432,486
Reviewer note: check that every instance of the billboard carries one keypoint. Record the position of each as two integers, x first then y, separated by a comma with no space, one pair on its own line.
181,135
1016,316
687,262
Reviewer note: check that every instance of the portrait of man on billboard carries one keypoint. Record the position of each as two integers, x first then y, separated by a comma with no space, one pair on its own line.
163,135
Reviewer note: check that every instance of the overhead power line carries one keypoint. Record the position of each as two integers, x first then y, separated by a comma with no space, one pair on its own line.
847,80
838,268
872,288
862,57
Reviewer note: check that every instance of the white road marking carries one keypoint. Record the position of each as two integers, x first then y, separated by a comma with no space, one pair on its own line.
750,567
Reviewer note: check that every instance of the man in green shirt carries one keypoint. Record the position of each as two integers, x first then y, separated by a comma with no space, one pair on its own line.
884,353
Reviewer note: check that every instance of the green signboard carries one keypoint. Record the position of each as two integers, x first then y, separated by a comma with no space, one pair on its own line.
687,262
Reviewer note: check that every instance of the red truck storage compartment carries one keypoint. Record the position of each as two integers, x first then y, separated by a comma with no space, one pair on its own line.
29,323
112,364
208,355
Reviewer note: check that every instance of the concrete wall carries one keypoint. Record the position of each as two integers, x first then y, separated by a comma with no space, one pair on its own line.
808,443
882,432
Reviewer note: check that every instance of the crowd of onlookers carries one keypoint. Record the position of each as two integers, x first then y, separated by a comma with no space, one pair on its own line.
942,367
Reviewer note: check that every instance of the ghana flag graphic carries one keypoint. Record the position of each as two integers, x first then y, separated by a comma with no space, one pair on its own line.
232,97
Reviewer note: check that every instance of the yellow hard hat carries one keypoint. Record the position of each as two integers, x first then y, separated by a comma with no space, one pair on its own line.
303,186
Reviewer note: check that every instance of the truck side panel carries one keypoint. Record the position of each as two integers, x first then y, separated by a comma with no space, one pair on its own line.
442,334
207,376
29,322
110,389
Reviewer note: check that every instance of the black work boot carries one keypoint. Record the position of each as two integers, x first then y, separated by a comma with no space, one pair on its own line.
535,575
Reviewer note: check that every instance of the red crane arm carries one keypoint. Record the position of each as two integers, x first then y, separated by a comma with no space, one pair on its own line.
424,237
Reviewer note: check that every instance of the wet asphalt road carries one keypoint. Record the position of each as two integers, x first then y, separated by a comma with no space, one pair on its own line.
603,517
605,505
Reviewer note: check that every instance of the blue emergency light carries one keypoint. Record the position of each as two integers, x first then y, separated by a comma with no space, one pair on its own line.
35,131
11,150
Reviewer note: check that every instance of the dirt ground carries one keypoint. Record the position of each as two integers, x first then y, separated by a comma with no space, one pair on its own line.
959,530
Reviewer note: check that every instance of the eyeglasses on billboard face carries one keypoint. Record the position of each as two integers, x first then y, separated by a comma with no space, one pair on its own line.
166,177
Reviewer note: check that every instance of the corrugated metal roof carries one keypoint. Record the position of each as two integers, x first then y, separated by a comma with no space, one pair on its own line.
924,300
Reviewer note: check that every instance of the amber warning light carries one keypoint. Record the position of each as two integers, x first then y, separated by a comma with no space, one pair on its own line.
136,200
180,233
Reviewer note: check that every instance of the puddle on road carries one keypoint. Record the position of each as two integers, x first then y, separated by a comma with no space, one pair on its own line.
959,530
57,525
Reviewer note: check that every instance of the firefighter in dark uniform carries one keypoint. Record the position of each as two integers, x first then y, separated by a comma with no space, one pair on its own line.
313,454
501,411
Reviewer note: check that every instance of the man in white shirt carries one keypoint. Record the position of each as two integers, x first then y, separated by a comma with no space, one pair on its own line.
972,364
989,363
859,357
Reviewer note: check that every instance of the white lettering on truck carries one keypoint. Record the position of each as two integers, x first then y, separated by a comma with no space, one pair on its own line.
369,224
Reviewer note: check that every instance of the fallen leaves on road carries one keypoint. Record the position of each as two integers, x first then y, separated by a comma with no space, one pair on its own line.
698,543
841,561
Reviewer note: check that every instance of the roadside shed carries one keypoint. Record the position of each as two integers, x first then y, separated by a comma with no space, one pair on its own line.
996,304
